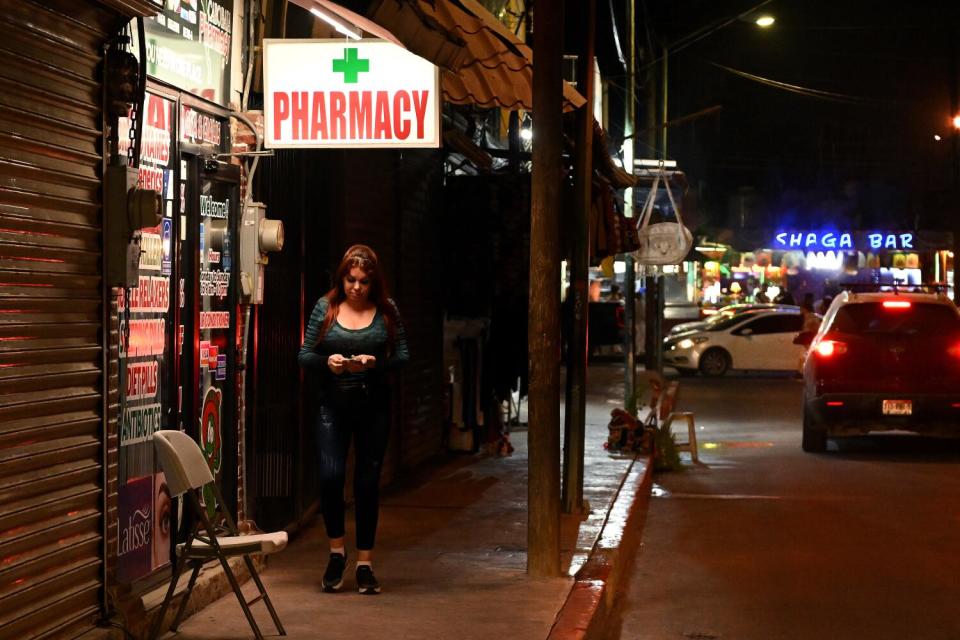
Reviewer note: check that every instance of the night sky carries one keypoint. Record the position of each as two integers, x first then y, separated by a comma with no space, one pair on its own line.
775,158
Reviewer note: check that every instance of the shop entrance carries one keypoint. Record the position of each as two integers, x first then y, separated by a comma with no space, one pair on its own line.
208,301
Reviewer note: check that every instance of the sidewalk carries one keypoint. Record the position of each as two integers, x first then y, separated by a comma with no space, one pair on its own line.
451,553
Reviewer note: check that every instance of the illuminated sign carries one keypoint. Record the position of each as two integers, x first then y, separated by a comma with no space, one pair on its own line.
330,93
844,240
188,45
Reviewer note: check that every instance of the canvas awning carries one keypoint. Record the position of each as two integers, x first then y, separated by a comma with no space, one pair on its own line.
481,61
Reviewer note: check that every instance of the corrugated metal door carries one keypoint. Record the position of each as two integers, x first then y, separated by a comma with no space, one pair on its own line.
51,362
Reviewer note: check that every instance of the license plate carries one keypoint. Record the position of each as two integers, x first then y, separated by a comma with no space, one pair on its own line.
897,407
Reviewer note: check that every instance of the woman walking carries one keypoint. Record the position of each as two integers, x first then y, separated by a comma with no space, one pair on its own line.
353,339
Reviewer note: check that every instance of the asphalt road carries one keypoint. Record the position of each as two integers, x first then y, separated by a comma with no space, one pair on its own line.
762,541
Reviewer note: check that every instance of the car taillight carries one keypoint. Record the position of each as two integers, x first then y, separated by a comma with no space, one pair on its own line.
829,348
896,304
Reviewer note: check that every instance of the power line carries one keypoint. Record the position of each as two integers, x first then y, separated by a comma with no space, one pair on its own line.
804,91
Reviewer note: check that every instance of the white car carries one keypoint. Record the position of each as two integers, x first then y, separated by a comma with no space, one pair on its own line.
726,312
759,339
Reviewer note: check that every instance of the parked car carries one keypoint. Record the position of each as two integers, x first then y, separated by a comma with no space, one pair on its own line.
726,312
882,361
756,339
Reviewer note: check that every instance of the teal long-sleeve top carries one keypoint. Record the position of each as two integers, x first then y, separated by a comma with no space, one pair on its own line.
371,340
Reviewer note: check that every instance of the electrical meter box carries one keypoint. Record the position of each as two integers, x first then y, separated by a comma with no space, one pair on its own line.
126,210
258,236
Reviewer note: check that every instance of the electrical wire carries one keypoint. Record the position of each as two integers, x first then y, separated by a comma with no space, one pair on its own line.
616,36
808,92
701,33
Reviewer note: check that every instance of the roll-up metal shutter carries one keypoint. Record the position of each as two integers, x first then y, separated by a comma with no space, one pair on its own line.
51,358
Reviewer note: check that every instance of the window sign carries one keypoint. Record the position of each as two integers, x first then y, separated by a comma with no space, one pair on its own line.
218,206
188,45
794,240
146,328
336,93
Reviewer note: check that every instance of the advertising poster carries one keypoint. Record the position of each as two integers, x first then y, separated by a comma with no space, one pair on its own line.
145,359
162,522
215,316
135,531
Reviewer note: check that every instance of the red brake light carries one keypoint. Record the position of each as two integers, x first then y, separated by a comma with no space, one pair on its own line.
829,348
896,304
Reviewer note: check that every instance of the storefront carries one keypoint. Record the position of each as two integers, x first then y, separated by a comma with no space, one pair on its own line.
178,329
763,265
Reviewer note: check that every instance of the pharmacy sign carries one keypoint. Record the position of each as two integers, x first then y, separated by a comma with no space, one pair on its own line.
345,93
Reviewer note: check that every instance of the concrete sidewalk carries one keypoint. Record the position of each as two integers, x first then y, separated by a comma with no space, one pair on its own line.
451,553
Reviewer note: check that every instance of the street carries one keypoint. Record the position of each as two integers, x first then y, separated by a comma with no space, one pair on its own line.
763,541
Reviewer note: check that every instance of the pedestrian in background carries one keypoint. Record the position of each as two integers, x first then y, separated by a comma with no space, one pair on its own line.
811,321
353,339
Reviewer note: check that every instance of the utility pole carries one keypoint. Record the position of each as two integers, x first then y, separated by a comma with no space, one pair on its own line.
630,279
576,397
543,462
955,156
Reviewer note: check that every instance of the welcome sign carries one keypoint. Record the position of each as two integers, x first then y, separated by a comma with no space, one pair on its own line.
348,94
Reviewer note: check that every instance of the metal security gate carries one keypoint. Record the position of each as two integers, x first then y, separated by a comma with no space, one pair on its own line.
52,410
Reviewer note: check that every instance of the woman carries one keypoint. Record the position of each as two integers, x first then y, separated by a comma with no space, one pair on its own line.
353,339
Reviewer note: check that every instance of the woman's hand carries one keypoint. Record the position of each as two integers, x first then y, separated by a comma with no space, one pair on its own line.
337,363
359,363
366,362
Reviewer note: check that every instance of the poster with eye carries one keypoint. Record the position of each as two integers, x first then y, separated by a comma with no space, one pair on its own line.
162,522
146,338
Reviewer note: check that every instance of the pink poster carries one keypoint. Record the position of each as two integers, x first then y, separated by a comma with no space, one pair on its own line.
135,529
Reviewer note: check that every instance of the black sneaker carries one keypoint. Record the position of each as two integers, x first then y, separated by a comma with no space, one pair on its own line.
367,582
333,576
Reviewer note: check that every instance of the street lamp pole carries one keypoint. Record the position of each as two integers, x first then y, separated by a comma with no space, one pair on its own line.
955,156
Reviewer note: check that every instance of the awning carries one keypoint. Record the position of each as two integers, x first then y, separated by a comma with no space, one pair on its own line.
351,17
481,61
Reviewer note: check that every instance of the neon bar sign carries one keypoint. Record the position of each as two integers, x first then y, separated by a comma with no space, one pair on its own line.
840,240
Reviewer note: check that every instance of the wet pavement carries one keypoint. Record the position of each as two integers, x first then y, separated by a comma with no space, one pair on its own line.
451,552
763,541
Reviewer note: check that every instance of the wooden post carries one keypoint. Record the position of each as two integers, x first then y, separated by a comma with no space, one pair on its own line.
543,464
576,398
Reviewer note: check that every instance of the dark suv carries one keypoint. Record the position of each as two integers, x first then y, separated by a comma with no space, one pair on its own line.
882,361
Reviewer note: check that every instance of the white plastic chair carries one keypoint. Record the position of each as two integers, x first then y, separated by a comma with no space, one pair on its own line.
187,473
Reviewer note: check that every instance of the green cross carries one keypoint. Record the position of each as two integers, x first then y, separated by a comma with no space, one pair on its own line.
350,66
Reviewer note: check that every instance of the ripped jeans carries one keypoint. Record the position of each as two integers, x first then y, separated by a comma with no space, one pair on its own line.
360,413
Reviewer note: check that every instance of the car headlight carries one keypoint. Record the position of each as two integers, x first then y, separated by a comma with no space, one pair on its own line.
687,343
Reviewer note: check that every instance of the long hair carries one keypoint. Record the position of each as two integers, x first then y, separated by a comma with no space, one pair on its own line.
362,256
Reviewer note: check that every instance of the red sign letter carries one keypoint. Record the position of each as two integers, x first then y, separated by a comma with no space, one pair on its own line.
401,104
338,119
319,117
361,116
382,130
420,108
301,112
281,111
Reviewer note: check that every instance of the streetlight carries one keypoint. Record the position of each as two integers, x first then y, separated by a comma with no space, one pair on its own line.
765,21
956,122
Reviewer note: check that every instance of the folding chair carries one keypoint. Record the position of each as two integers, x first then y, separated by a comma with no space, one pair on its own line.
187,473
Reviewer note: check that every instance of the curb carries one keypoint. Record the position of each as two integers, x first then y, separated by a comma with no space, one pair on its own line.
585,612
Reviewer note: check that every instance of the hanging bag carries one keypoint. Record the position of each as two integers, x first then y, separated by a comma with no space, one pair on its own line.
662,242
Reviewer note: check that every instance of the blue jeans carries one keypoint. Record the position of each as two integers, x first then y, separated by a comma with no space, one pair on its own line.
359,413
